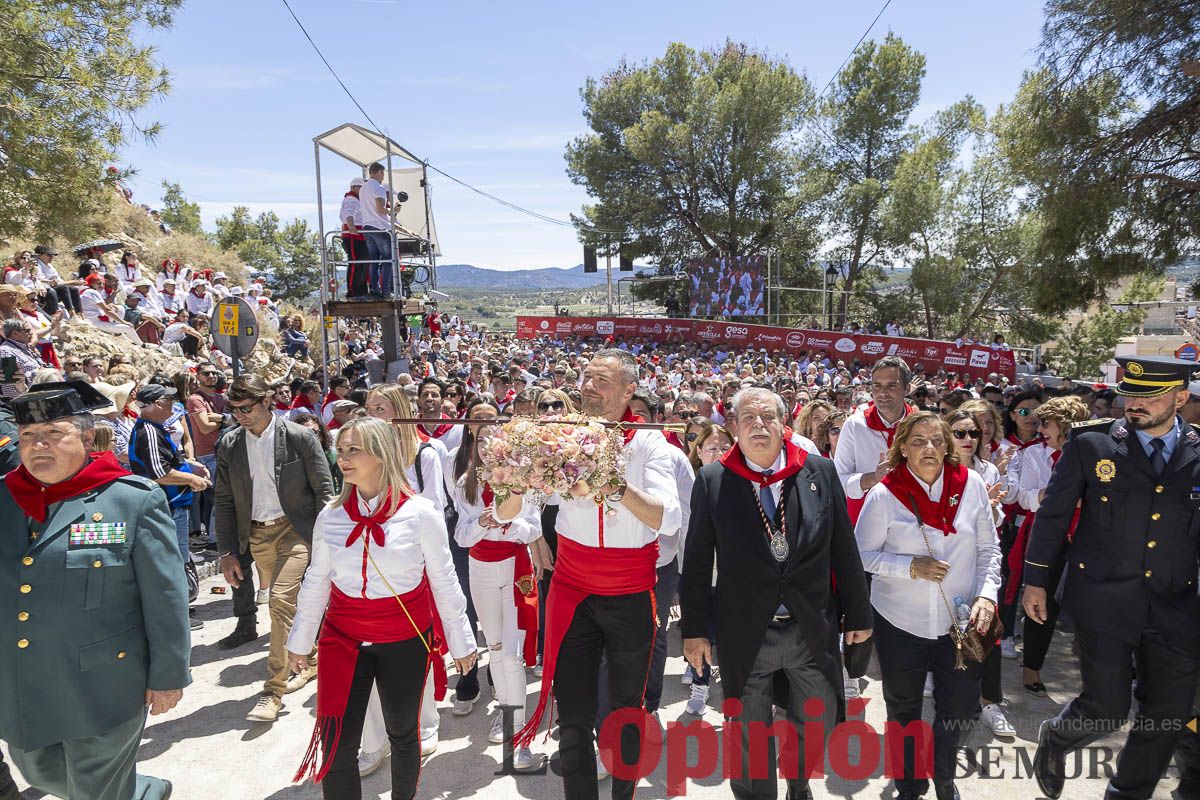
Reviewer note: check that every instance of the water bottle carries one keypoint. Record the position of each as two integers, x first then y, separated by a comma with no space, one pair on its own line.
962,614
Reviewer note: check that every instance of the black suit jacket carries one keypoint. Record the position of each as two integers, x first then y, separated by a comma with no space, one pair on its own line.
726,527
1134,557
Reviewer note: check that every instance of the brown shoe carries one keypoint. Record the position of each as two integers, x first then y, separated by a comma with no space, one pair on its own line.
300,679
266,709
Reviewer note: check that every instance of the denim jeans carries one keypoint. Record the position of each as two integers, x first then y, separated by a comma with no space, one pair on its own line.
183,523
379,246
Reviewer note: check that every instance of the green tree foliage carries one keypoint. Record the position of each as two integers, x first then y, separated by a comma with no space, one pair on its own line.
73,80
183,216
1091,342
690,155
290,256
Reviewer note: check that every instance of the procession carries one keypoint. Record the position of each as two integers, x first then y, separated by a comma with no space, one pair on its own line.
858,454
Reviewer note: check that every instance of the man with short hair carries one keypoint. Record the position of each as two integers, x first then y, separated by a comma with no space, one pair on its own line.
376,227
206,413
95,617
861,456
273,480
18,344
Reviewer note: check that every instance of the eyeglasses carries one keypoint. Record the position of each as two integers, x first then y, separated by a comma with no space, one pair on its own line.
241,409
960,435
552,405
691,437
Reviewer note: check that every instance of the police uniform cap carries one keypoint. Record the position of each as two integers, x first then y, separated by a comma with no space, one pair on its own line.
56,400
1151,376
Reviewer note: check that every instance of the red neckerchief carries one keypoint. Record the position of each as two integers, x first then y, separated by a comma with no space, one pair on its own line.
875,422
35,497
907,489
1033,441
629,416
330,398
439,431
301,401
1054,458
488,495
368,528
735,461
129,413
282,406
993,446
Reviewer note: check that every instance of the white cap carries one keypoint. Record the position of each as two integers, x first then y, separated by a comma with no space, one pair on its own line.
220,276
236,290
356,182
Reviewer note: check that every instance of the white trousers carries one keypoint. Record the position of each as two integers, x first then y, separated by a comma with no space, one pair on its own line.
492,593
119,328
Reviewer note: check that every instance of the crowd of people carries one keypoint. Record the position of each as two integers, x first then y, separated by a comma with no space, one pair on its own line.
940,505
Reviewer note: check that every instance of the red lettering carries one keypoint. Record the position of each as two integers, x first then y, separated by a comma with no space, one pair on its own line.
609,742
896,737
678,770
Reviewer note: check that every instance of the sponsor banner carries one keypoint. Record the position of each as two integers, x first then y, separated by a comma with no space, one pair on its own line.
975,360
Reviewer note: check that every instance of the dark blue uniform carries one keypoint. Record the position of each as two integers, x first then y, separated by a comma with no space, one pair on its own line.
1131,588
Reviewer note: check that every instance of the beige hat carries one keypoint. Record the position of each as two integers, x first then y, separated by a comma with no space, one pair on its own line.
118,396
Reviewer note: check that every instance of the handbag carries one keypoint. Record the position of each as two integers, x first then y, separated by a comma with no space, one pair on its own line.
969,645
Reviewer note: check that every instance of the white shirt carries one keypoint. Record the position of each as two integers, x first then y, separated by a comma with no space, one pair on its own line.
432,484
367,195
648,466
526,527
171,303
351,210
450,440
90,301
128,274
670,546
260,452
48,273
1034,475
889,538
150,305
199,305
858,452
415,544
806,444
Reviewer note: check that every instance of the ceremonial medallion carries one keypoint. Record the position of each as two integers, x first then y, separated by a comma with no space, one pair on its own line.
1106,470
779,546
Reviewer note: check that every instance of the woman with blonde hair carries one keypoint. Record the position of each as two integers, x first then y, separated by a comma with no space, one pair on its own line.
555,402
810,416
711,443
501,576
375,622
927,534
1054,420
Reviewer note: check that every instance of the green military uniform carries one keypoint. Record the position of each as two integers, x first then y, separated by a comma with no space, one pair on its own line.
93,613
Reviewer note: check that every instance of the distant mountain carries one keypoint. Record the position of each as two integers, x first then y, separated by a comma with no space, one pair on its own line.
465,276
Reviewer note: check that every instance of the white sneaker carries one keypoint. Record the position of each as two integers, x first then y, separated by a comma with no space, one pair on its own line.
496,735
369,762
262,596
429,745
1008,648
928,692
698,701
601,772
523,759
463,707
538,669
850,685
993,717
688,676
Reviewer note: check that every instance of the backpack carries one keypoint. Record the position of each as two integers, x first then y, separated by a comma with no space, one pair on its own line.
450,511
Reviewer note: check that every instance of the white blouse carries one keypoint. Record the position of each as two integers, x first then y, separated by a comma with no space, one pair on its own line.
889,538
1036,466
415,543
523,529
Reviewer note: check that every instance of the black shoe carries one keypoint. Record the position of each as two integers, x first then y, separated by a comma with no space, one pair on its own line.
240,636
196,624
802,794
905,794
945,791
1049,764
166,795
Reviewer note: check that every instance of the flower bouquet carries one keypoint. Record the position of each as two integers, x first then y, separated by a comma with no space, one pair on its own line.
571,456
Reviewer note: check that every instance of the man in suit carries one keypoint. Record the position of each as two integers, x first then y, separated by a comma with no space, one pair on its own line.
1131,576
94,620
272,481
774,520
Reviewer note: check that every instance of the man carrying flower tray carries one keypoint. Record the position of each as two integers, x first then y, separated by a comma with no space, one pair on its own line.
601,599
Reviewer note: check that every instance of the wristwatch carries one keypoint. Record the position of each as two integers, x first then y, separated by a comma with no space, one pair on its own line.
616,496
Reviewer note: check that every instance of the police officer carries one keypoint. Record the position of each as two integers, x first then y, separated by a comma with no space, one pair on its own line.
1131,576
93,609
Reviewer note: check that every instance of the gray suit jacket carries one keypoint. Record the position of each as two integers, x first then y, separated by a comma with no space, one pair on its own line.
302,480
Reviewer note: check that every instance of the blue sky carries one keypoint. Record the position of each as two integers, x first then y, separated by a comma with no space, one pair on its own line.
490,93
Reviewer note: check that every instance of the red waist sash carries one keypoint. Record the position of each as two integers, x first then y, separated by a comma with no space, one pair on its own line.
580,571
525,594
350,621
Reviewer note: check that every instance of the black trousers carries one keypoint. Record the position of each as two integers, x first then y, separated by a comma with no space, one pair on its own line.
356,274
1166,688
904,659
620,628
398,669
65,296
1187,757
244,607
467,686
1039,634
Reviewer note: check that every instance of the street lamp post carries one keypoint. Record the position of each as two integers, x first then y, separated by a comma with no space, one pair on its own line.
831,274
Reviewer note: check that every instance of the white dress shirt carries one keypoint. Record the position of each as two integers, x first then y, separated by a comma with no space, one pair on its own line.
858,452
367,194
351,210
889,538
670,546
432,462
196,304
522,529
414,544
648,466
260,452
1034,475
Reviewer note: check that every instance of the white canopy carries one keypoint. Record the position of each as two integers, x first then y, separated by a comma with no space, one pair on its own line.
363,147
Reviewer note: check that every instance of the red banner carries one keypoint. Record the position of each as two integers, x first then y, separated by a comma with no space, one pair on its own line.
976,360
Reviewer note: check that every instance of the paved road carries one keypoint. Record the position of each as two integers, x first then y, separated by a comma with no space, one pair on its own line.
208,749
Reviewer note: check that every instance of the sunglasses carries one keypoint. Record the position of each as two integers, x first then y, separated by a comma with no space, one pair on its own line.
241,409
1024,412
964,434
552,405
835,429
209,374
691,437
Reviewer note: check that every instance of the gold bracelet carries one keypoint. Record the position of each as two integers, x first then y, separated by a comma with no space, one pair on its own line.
912,569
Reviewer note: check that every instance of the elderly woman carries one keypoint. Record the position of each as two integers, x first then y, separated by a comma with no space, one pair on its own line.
927,533
376,621
1054,420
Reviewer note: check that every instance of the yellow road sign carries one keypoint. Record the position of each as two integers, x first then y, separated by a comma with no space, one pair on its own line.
229,319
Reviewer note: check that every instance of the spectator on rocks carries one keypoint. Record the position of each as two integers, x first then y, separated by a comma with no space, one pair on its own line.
44,328
17,344
66,293
129,271
220,286
291,335
102,314
199,302
170,301
191,341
